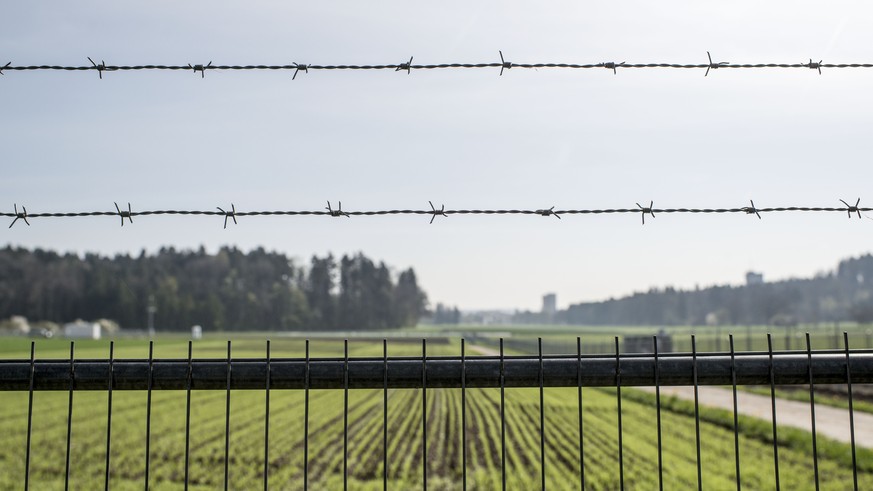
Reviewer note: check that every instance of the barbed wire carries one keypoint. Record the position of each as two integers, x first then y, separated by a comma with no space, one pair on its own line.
408,66
433,212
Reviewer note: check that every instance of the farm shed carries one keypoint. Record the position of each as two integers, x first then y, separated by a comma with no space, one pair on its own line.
82,330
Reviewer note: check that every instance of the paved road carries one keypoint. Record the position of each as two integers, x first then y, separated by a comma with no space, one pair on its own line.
829,421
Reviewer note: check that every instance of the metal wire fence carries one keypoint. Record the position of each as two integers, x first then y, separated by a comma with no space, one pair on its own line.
408,66
501,370
434,212
692,367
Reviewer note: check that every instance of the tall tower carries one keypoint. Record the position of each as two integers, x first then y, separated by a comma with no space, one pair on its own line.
753,278
550,301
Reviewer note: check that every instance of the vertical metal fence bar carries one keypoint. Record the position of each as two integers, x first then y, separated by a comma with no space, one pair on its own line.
542,420
696,410
787,338
267,424
385,415
227,424
306,420
658,413
735,366
579,396
812,412
424,412
773,410
463,417
618,402
346,415
149,414
502,421
188,415
70,417
851,411
109,412
736,413
29,419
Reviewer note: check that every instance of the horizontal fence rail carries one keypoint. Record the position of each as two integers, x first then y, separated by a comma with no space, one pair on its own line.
442,372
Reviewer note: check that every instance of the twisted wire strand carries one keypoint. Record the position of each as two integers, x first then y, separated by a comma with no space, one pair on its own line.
22,214
409,66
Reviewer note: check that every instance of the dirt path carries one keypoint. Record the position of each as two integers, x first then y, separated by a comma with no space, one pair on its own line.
483,350
829,421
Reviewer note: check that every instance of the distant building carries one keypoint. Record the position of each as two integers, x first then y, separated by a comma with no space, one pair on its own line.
753,278
550,302
82,330
486,317
645,343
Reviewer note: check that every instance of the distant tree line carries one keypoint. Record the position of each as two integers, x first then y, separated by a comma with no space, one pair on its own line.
843,295
229,290
443,314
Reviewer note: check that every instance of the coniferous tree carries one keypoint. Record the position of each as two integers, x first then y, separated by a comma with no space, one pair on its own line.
229,290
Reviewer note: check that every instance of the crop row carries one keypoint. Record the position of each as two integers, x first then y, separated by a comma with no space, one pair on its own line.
365,448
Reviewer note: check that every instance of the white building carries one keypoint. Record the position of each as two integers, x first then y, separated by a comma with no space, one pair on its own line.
82,330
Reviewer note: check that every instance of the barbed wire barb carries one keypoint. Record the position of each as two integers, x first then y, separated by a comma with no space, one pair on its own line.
405,66
648,210
22,215
298,67
232,214
200,68
549,212
99,68
435,212
751,209
713,66
853,209
503,63
338,212
228,214
611,65
124,214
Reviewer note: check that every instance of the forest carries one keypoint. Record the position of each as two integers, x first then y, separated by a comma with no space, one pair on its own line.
228,290
845,294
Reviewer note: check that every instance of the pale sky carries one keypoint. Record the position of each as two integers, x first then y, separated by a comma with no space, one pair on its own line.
465,138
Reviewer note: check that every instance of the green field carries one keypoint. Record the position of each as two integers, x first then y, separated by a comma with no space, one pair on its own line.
404,432
561,339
